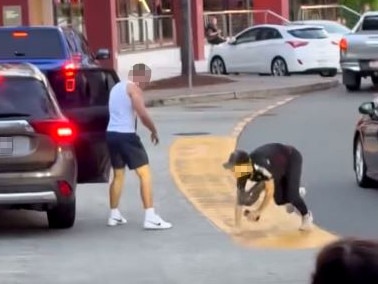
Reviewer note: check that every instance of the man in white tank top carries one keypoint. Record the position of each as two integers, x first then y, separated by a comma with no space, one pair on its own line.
125,147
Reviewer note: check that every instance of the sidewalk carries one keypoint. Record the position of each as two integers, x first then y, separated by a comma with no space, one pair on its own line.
245,87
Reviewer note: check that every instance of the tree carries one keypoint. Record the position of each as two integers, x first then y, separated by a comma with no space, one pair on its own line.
186,43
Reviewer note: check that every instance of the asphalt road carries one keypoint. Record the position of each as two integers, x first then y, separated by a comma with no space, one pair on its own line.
194,251
321,126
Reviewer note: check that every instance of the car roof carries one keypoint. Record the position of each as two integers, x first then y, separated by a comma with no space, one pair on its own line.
315,21
30,28
371,13
285,27
20,70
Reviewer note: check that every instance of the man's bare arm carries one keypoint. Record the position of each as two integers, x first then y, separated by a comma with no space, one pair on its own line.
138,104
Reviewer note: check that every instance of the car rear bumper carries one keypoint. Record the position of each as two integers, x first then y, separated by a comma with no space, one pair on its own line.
360,66
306,65
48,197
40,187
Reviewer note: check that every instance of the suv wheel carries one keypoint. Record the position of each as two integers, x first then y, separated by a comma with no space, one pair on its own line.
352,81
63,215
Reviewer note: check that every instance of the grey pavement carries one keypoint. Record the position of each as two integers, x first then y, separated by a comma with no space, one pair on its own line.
322,127
194,251
245,86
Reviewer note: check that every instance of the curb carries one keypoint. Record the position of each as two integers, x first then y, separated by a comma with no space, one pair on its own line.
235,95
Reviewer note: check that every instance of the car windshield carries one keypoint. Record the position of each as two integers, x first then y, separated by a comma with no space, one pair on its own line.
31,44
24,96
308,33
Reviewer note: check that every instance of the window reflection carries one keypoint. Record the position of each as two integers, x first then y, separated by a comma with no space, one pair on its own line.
70,13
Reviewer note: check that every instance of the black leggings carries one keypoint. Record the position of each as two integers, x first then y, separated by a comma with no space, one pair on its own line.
287,188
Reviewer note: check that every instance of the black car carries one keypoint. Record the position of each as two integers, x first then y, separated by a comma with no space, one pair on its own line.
81,86
365,146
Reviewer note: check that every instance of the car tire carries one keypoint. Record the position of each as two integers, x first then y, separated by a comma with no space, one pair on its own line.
352,81
217,66
360,166
374,80
328,73
279,67
62,216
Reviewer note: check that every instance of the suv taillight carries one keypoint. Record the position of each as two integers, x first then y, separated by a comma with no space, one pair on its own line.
61,131
69,70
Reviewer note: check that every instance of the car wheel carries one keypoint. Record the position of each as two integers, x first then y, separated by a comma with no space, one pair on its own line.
62,216
374,80
217,66
328,73
352,81
279,67
360,167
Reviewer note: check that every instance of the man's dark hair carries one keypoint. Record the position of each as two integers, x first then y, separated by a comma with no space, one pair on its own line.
347,261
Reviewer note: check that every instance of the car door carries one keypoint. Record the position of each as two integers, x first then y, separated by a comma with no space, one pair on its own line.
268,45
87,107
242,53
370,143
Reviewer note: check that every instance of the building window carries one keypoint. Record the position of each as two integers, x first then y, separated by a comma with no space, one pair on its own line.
145,24
70,13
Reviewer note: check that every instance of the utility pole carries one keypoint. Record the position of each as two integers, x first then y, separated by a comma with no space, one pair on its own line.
190,41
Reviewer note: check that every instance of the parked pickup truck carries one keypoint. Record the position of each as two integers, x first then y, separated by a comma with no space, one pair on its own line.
359,52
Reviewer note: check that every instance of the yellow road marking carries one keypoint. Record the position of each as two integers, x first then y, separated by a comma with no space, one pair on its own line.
196,167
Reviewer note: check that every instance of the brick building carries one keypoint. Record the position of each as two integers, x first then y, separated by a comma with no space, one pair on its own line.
129,26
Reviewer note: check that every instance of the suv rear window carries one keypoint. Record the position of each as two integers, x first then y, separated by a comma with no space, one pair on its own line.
27,96
31,44
370,23
308,33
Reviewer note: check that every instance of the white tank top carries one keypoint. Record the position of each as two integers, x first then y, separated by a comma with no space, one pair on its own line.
122,115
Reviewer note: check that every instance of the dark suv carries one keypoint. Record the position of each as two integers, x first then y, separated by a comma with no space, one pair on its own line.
80,83
38,168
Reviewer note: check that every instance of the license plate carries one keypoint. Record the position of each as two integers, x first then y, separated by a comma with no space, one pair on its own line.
322,62
6,146
373,64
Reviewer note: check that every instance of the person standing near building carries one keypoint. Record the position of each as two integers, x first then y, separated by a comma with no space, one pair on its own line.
213,34
126,148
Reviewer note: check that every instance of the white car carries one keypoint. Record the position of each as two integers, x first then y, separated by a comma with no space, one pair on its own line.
278,50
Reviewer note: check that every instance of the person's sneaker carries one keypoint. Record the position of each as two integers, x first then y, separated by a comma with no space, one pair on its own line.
114,221
156,223
307,222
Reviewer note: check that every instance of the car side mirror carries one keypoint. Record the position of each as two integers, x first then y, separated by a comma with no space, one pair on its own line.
103,53
232,40
367,108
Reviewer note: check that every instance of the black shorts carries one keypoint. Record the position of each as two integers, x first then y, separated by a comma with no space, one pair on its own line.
126,149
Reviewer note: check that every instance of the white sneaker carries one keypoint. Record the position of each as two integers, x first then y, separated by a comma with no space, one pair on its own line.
114,221
307,222
156,223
